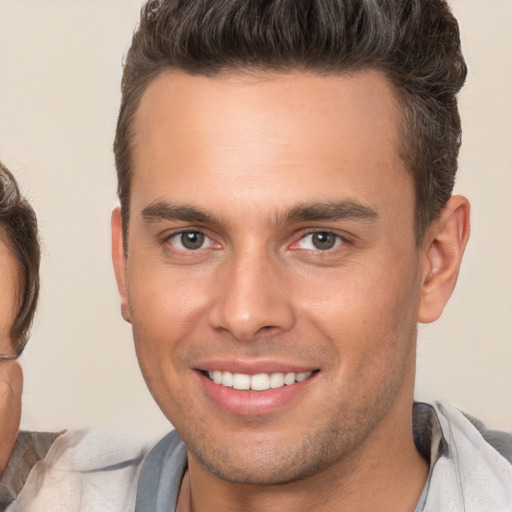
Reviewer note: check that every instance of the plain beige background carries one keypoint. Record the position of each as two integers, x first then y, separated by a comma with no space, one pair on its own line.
60,68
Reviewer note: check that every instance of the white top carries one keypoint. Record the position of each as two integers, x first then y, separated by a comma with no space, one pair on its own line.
99,472
84,471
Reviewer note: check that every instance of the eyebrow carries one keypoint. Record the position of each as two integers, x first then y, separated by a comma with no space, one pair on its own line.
169,211
314,212
329,211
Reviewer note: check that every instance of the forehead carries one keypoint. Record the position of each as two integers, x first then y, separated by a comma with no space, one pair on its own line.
286,135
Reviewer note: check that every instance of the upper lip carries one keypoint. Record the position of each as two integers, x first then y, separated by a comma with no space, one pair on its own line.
254,367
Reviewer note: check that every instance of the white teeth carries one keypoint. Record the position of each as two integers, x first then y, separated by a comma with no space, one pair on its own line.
258,382
276,380
227,379
302,376
289,379
241,381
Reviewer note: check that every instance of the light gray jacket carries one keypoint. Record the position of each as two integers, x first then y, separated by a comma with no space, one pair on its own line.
95,472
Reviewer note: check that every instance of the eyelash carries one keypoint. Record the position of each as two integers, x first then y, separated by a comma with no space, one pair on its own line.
337,241
183,232
178,236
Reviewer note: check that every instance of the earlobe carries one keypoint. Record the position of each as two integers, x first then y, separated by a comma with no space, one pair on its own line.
443,249
119,261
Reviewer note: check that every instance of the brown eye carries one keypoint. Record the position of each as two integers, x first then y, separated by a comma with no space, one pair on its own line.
323,241
320,241
192,240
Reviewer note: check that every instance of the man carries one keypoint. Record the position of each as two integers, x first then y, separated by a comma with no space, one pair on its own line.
285,174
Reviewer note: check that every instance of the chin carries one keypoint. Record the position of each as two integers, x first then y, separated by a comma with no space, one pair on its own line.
267,462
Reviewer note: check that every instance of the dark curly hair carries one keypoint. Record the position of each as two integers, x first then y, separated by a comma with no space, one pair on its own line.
415,43
18,229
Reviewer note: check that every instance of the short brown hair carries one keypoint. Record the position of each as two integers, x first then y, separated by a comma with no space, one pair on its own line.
18,228
415,43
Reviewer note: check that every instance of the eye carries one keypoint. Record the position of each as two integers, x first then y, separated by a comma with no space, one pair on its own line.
320,241
190,240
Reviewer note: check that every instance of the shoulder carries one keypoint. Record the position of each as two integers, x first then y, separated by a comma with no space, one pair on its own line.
470,474
499,440
472,438
30,448
94,470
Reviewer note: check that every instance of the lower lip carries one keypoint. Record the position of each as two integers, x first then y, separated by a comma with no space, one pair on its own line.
253,403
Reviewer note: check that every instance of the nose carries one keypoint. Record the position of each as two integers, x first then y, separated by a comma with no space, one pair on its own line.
252,297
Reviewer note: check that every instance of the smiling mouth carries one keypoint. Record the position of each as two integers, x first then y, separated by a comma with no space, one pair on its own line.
258,382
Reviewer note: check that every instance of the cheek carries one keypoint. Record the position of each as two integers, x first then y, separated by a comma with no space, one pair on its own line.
167,309
362,294
164,301
163,313
368,310
7,318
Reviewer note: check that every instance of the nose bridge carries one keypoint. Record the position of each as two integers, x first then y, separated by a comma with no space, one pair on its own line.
251,295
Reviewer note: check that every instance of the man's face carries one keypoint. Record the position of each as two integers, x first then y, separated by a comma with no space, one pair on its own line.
9,279
271,240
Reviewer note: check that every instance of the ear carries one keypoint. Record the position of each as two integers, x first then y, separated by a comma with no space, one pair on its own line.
443,248
119,261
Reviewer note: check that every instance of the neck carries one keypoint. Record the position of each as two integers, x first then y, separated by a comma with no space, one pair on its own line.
385,473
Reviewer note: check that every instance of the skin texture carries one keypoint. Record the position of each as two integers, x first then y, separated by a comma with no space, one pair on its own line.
11,376
262,162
